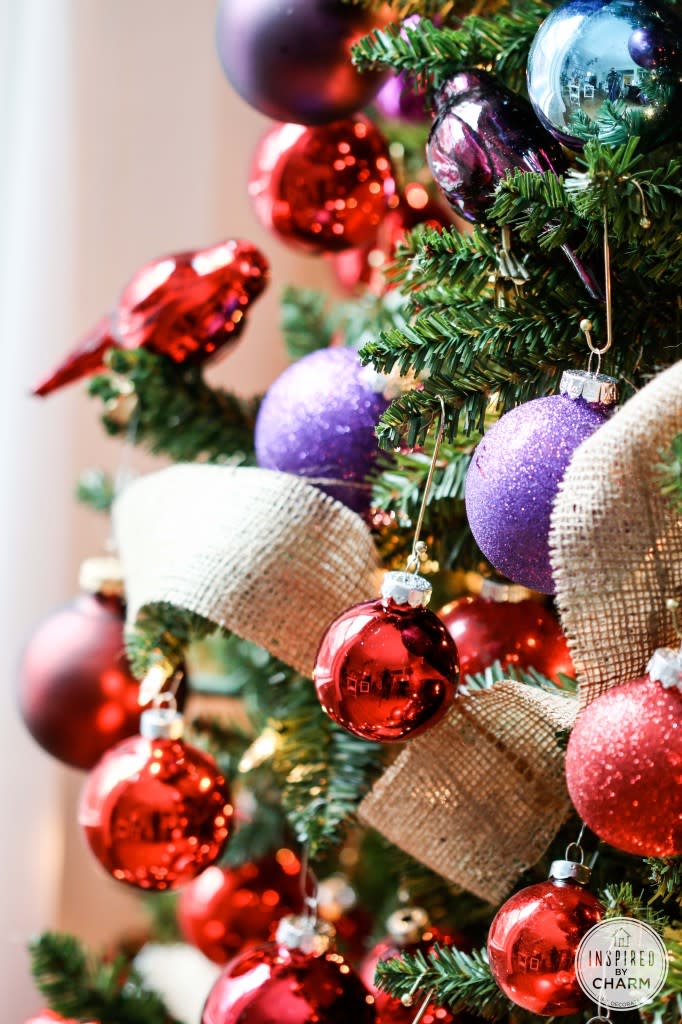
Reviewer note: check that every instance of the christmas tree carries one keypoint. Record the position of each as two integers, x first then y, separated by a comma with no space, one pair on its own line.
491,418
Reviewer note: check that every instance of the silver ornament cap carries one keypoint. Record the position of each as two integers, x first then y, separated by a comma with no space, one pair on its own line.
665,667
161,724
298,931
407,925
406,588
570,871
595,388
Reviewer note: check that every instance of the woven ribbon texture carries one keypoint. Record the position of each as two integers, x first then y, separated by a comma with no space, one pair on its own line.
479,797
617,543
261,553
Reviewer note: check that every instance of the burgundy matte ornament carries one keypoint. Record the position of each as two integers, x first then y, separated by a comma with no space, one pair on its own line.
387,669
292,60
186,306
298,979
323,189
226,909
156,811
518,634
76,692
623,762
534,937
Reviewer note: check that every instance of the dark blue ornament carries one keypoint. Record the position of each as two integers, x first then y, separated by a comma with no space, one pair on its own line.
607,69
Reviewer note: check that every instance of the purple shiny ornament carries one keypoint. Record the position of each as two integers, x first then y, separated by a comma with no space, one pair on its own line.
290,59
655,45
317,420
400,99
480,133
513,480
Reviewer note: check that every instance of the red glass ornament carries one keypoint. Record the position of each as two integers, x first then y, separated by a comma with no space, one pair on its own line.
386,670
155,812
225,910
624,768
389,1009
186,306
273,984
323,189
365,267
521,634
532,943
76,692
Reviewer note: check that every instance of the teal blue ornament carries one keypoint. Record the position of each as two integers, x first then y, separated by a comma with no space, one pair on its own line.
608,69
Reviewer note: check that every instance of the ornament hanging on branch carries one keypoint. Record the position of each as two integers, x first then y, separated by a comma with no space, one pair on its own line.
226,909
76,691
623,758
292,61
534,936
317,420
323,189
409,931
297,979
387,669
503,625
186,307
156,811
607,69
517,468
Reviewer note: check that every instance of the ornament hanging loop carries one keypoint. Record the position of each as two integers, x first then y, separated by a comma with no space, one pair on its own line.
418,1017
586,325
418,553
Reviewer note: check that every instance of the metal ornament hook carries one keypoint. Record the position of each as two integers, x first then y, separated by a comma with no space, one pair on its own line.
418,553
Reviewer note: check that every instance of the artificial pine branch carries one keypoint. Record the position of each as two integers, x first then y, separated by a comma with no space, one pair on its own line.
96,488
177,413
304,321
460,981
666,1008
620,900
87,988
666,875
162,633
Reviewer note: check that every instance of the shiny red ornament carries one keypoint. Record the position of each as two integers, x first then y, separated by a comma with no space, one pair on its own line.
156,811
391,1010
76,691
532,943
366,267
520,634
186,306
274,984
227,909
323,189
387,669
624,768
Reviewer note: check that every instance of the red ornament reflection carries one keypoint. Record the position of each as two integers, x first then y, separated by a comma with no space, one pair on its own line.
520,634
275,984
386,672
227,909
325,188
155,812
532,943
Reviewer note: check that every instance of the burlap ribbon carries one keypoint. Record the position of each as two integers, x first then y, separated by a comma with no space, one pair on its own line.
480,797
261,553
616,542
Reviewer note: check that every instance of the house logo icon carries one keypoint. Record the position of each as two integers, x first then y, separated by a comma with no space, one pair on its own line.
621,938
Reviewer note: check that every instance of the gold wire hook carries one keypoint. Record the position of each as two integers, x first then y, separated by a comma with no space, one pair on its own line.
423,1008
418,552
585,324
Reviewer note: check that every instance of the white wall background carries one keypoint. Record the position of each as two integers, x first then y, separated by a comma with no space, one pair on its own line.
119,141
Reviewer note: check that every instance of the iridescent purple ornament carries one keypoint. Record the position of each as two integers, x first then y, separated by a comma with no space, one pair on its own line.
480,133
588,54
514,477
317,420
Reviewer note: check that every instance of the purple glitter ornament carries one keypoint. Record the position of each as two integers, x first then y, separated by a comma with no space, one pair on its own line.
513,480
317,420
400,99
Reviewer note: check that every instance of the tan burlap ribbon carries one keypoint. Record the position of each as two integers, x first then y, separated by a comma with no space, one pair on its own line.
263,554
479,798
616,542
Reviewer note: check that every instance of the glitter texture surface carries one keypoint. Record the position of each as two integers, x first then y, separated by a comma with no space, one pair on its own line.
317,420
513,480
624,768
